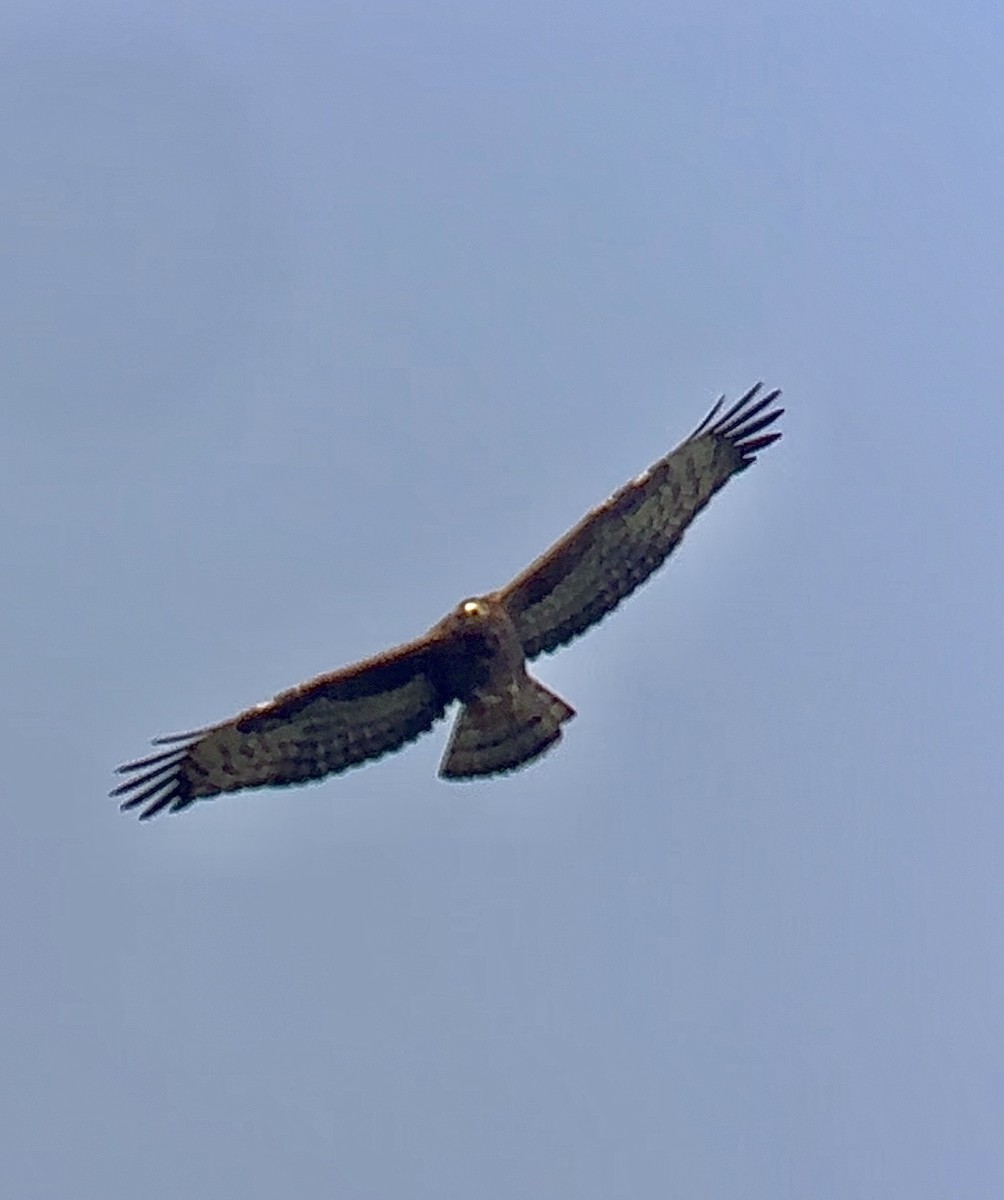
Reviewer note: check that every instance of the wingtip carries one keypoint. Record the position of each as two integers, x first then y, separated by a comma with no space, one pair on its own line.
716,408
748,417
760,443
169,739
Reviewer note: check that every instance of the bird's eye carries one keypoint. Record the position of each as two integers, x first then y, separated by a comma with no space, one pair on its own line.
473,608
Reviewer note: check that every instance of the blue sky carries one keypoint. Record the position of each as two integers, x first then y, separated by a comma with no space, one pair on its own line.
317,318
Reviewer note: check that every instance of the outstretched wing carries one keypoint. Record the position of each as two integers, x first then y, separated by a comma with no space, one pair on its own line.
617,546
319,728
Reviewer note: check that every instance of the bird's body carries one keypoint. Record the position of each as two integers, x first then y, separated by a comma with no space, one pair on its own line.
508,718
476,654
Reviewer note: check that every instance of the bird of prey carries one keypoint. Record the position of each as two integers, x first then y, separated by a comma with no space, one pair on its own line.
476,655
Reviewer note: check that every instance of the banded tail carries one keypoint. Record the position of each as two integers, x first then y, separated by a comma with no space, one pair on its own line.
497,732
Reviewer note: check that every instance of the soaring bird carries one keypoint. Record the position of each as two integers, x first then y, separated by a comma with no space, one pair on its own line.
477,654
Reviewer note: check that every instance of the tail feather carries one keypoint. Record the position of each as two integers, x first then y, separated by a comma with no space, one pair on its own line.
496,732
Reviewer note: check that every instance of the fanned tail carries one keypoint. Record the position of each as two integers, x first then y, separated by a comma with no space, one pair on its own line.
497,732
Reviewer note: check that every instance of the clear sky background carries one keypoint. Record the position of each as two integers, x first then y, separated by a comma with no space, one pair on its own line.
315,318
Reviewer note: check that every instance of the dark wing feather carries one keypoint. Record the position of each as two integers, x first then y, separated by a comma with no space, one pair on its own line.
319,728
617,546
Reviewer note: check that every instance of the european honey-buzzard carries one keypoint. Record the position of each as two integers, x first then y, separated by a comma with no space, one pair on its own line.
476,655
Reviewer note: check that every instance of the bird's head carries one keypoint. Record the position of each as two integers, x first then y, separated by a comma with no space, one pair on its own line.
472,610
